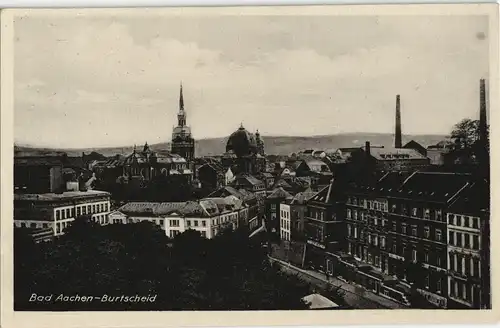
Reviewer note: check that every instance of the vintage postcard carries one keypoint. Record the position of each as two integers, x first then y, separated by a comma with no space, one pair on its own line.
248,165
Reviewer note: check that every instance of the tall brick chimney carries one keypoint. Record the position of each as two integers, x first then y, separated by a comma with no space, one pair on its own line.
483,124
397,136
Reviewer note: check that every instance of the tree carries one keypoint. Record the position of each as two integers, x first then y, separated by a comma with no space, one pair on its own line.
467,145
465,133
229,272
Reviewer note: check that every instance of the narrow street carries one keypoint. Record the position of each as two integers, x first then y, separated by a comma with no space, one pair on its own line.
356,297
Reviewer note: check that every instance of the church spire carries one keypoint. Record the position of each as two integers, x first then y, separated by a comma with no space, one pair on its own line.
181,116
181,100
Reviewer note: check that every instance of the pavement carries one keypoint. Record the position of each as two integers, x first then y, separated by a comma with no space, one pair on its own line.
355,296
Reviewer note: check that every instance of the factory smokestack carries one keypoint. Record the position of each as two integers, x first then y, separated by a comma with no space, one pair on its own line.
397,136
483,124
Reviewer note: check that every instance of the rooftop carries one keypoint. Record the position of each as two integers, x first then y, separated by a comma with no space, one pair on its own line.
317,301
388,154
63,196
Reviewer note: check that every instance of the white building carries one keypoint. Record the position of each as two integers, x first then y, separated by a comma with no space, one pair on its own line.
464,258
208,216
56,211
285,222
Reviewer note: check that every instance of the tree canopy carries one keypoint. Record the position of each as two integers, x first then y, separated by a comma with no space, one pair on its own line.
188,272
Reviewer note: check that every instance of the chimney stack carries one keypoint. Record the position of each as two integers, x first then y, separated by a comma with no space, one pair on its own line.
367,148
397,136
483,125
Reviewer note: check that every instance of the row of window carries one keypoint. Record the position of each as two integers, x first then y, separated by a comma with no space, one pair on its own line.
81,210
404,209
404,230
285,224
463,221
285,235
101,219
195,223
316,214
369,204
465,265
465,240
382,263
285,214
34,225
425,213
462,290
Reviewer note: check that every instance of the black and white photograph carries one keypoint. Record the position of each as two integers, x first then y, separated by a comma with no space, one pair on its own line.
190,159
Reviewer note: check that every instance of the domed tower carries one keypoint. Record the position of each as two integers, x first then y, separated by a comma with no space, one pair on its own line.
182,140
243,145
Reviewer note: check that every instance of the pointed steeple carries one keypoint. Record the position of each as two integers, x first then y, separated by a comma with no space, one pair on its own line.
397,136
181,116
181,100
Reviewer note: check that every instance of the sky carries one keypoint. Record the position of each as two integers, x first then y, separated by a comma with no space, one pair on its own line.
96,81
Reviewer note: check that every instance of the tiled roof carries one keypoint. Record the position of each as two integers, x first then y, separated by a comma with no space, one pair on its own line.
193,209
436,186
138,208
303,197
425,186
321,196
250,179
473,200
392,154
64,196
279,193
224,204
282,184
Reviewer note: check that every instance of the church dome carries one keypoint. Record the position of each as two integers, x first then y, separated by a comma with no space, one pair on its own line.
241,142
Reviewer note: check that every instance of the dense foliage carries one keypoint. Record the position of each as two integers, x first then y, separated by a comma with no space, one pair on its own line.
186,273
467,146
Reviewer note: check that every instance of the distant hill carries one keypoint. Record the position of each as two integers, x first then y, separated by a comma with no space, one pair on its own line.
274,145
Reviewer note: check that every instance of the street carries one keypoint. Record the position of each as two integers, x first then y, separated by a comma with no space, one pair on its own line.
355,297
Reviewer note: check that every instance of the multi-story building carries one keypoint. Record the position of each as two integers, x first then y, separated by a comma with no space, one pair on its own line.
317,170
272,209
249,183
209,216
255,205
38,172
285,220
468,245
397,226
292,216
57,211
324,226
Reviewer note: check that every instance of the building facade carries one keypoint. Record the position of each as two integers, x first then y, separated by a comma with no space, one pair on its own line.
36,172
397,230
273,212
57,211
468,250
324,226
209,216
